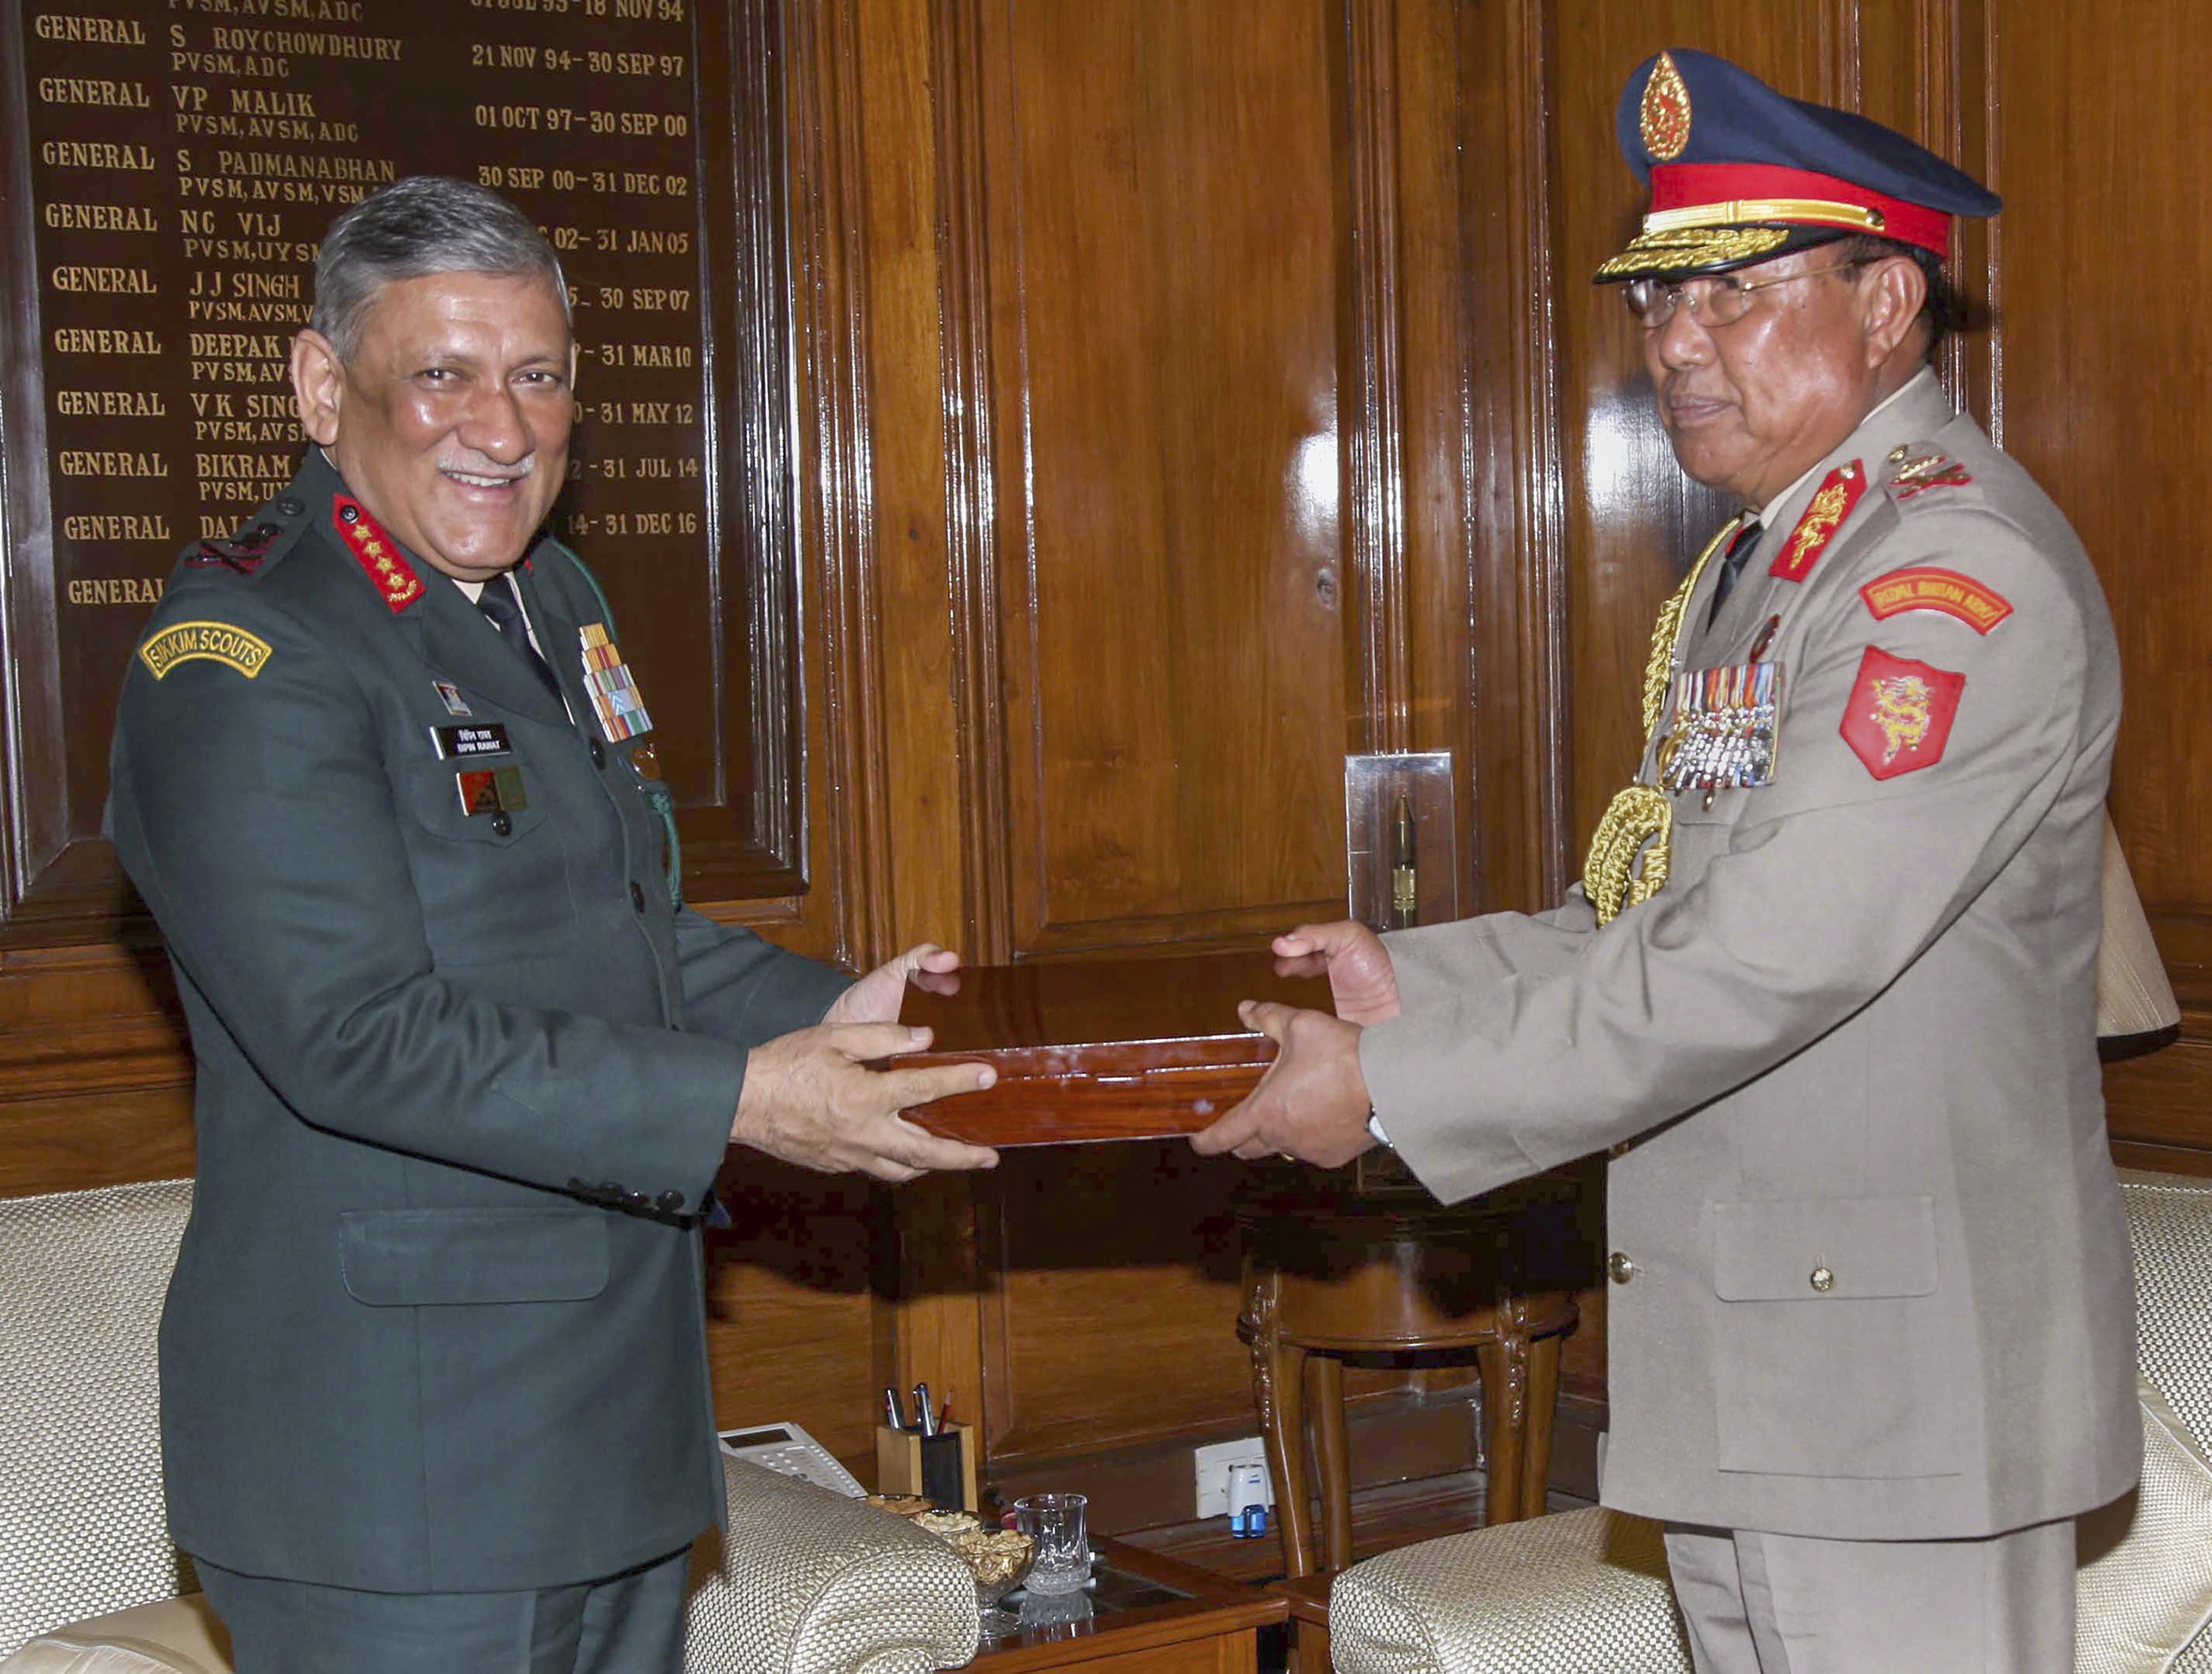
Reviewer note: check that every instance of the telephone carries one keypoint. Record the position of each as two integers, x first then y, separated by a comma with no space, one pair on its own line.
785,1448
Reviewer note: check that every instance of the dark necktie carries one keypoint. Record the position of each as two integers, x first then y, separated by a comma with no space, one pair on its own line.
498,601
1732,562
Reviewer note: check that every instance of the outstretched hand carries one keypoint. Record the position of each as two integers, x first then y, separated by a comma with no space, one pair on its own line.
1312,1103
809,1098
1361,982
877,996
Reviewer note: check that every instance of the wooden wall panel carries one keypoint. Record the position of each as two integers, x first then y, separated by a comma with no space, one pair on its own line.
2102,338
1165,335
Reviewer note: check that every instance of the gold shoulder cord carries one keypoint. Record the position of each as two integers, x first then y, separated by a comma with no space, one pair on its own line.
1638,825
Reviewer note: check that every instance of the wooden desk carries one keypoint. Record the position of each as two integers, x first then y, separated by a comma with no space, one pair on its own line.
1196,1623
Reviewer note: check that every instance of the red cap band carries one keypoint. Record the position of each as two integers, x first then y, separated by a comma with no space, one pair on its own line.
1695,185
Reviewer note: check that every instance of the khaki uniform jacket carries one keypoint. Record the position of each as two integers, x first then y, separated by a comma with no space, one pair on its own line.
1881,1284
464,1083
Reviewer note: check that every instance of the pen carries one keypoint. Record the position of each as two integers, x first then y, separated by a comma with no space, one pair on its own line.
892,1415
929,1419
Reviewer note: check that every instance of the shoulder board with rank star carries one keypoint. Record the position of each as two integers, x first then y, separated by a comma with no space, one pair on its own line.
1918,473
1927,588
1830,508
376,552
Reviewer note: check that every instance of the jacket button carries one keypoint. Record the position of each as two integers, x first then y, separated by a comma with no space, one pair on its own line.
636,897
1824,1280
669,1202
501,824
1620,1268
599,753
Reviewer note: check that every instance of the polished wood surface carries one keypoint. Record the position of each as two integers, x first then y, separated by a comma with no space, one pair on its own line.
1211,1631
1098,1049
1326,1281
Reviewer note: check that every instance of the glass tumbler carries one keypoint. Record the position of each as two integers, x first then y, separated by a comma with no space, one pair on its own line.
1054,1523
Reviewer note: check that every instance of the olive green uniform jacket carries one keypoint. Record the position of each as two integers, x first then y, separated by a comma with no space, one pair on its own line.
463,1081
1872,1278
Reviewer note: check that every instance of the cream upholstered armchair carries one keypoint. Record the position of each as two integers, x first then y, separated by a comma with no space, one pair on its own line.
1586,1592
803,1582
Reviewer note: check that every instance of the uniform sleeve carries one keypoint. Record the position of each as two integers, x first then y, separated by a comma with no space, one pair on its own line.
257,817
740,988
1515,1052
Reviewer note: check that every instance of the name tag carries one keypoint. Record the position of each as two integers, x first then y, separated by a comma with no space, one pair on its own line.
1726,728
479,739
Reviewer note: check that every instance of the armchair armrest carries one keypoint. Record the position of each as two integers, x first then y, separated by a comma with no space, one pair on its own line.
806,1582
1585,1590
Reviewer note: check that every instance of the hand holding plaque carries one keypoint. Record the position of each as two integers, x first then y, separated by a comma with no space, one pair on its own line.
1132,1048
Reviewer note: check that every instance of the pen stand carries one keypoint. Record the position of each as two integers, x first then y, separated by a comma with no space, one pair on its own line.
940,1468
1401,856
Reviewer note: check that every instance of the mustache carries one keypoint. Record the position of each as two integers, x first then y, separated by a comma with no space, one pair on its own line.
482,466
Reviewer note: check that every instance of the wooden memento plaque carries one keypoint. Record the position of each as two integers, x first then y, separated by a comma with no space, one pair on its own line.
1137,1048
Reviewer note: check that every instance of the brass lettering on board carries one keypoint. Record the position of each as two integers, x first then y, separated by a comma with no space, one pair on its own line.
188,155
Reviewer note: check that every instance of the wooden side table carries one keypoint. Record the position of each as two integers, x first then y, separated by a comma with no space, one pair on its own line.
1331,1277
1148,1615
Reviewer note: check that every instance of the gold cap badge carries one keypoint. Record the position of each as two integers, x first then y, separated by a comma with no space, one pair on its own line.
1664,117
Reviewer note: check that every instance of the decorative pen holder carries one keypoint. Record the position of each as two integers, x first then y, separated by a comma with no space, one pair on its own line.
940,1468
1401,855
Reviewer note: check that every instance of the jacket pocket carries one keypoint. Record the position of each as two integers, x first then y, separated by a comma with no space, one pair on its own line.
492,887
1828,1341
416,1258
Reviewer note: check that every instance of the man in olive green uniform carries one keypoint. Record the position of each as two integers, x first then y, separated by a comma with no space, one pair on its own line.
1828,988
435,1386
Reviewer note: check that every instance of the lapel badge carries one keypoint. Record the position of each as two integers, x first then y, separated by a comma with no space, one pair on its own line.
1898,716
613,689
1726,729
1830,508
450,695
376,552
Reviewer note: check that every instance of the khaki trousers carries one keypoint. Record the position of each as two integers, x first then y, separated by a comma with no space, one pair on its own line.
1764,1604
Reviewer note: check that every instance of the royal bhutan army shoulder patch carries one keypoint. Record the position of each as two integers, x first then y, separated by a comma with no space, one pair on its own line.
208,642
1900,713
1928,588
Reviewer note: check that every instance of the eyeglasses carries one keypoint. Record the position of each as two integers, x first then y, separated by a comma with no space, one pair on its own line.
1721,300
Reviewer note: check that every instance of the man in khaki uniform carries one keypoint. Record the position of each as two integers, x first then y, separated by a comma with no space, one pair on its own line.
1828,986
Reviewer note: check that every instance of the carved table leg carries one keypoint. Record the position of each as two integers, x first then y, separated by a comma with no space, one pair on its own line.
1334,1451
1543,1356
1504,1370
1278,1395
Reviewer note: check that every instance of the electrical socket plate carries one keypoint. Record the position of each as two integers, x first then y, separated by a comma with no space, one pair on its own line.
1214,1463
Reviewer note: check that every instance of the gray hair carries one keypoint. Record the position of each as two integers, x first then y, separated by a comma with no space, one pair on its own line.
424,224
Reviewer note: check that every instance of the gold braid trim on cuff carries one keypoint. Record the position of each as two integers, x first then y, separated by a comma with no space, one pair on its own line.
1634,841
